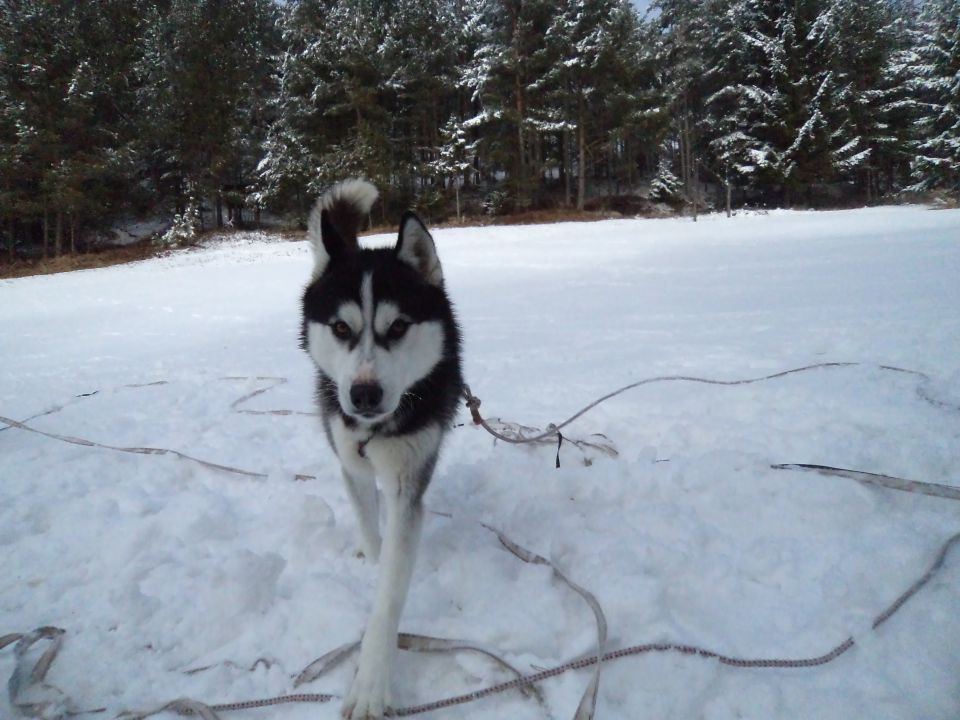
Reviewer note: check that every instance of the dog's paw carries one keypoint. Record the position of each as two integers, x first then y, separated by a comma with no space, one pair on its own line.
369,696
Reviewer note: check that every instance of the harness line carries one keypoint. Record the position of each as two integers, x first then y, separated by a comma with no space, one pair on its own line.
25,678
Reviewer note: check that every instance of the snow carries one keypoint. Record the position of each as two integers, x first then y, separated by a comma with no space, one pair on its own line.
155,565
130,231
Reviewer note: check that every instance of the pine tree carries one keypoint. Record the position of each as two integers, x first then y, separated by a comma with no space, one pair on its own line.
290,155
895,108
485,43
419,55
792,108
736,103
936,85
205,67
854,39
507,40
688,32
455,156
10,193
586,63
68,98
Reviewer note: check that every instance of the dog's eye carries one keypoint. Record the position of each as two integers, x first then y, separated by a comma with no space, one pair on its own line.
398,328
341,330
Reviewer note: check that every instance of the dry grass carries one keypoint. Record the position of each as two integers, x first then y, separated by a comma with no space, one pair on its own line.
529,217
96,257
106,256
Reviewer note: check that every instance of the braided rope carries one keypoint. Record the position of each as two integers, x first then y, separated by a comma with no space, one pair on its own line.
186,706
632,651
692,650
473,402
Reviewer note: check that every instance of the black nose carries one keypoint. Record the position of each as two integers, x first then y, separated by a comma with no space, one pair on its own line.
366,396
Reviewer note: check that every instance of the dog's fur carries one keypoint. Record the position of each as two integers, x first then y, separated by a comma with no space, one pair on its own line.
381,331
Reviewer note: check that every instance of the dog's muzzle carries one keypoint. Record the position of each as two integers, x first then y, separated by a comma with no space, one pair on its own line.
365,398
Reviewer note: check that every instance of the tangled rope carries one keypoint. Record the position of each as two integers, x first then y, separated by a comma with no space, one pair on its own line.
186,706
33,697
514,433
473,402
10,423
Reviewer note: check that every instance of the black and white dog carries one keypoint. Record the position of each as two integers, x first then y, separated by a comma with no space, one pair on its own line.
380,328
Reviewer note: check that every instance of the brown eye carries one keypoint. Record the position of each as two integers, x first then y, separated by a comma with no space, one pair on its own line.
341,330
398,328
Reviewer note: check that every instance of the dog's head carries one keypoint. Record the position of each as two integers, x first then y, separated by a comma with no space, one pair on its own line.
375,321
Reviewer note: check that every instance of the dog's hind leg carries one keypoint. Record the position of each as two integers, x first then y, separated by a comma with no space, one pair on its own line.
403,489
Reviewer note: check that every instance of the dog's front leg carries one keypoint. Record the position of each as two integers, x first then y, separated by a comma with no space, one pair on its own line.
369,696
361,484
362,491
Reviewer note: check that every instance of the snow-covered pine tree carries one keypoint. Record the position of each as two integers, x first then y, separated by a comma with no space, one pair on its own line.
936,87
688,33
807,90
741,101
665,186
775,119
585,71
10,194
285,169
508,36
894,106
854,39
454,156
419,59
68,93
204,67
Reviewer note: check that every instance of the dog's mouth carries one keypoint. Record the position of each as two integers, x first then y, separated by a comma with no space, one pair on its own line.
367,417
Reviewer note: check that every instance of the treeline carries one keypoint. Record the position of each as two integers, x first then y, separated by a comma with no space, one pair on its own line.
214,111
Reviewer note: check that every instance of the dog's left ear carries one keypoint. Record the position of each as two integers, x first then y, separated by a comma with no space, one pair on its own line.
415,247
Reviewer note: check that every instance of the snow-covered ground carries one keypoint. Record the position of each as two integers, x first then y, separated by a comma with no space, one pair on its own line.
156,565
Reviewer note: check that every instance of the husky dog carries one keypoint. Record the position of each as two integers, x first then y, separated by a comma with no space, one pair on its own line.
381,331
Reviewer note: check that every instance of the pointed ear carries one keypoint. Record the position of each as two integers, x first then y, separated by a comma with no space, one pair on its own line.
328,243
415,247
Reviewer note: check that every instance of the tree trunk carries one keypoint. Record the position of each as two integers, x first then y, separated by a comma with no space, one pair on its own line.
521,141
696,189
682,149
46,230
58,235
519,85
582,154
219,210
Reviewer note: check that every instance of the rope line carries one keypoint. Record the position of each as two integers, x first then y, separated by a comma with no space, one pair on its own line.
27,677
189,707
473,402
887,481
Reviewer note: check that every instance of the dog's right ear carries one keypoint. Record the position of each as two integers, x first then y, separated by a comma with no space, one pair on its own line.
335,221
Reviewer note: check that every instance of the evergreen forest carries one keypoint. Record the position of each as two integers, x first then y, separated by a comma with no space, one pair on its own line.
213,113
